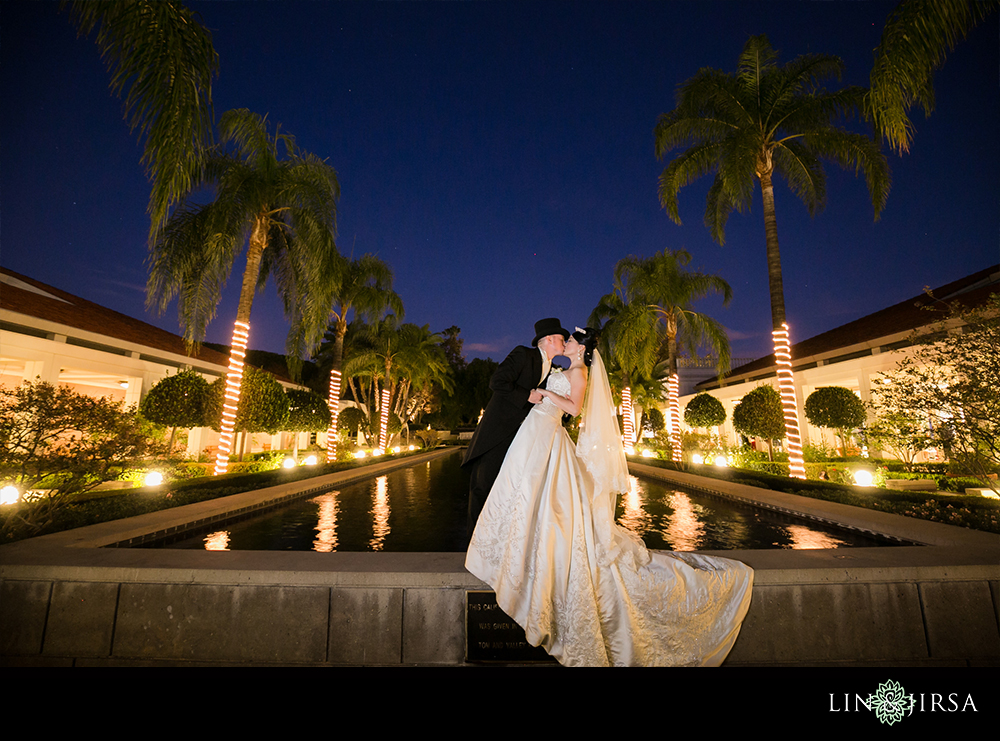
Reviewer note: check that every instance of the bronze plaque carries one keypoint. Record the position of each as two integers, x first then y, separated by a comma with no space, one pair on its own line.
492,636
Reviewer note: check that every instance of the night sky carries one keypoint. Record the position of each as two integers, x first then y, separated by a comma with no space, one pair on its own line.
499,156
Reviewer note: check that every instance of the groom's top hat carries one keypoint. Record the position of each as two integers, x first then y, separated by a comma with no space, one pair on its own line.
545,327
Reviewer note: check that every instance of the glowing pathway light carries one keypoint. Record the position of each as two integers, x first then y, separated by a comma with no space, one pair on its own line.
863,478
783,356
334,404
628,435
231,403
674,415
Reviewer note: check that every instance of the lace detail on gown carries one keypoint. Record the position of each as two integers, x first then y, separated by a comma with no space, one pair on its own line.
582,587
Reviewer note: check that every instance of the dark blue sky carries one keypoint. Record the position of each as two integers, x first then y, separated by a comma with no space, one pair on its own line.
499,156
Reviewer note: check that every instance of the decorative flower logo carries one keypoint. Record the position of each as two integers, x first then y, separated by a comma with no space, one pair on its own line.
890,702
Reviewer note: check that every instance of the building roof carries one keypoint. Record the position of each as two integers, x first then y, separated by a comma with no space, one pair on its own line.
23,295
888,329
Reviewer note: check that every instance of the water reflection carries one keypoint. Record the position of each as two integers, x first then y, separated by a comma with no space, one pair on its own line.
633,514
380,513
802,538
218,541
427,506
326,527
684,529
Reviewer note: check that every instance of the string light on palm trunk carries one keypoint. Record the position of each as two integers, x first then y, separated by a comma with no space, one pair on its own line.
786,386
629,434
231,400
331,433
383,430
674,416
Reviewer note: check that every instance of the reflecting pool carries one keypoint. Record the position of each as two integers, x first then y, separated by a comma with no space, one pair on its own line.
423,508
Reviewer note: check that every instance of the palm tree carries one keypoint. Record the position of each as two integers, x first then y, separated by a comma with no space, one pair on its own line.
669,292
746,127
421,365
396,360
631,339
914,43
284,210
365,287
162,56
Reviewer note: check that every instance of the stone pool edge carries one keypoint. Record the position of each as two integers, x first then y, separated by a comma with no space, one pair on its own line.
63,602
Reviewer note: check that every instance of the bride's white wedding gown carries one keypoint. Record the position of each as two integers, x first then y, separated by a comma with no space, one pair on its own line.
581,586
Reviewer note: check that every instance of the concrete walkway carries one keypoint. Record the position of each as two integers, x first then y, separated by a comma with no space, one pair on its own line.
66,600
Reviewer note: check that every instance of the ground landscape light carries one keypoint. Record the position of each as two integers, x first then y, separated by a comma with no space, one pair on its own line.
288,463
309,461
153,478
863,478
722,462
696,458
9,495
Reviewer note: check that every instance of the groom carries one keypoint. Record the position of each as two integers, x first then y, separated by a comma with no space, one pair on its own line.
514,388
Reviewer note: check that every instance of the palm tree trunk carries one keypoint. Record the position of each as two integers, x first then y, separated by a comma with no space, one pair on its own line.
628,432
333,400
780,333
674,417
241,336
383,429
673,384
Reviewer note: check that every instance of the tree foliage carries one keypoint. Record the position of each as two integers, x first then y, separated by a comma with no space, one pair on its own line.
263,404
952,383
704,410
270,198
364,289
764,119
759,414
55,439
836,407
307,411
470,395
406,360
670,290
161,58
652,420
903,433
917,37
177,401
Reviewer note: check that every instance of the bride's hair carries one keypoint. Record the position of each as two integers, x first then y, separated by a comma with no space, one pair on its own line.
588,338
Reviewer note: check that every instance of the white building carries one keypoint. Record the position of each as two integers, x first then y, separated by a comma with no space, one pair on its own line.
64,339
850,355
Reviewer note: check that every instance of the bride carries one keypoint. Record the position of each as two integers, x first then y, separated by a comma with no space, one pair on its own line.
581,586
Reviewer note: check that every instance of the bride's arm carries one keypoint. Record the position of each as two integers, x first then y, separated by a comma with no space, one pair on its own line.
573,403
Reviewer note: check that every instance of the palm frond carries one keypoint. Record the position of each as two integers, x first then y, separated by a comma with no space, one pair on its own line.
860,153
163,61
915,42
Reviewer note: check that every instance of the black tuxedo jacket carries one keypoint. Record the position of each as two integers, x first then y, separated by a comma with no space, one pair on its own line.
513,381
